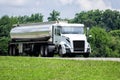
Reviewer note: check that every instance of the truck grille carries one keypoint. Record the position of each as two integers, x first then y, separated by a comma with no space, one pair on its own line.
78,45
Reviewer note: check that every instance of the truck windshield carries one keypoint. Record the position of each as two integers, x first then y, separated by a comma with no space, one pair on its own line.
72,30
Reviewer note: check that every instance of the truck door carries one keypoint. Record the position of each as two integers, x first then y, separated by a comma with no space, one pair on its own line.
56,34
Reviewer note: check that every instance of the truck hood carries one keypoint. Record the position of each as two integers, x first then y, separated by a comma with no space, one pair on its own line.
75,36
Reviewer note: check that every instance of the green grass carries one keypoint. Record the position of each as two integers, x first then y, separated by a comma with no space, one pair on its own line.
30,68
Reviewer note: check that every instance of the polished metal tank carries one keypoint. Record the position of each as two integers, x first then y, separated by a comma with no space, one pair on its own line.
30,32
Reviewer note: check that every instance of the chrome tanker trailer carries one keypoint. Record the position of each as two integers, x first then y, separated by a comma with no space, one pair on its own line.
48,38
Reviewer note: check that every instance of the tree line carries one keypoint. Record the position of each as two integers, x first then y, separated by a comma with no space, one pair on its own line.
104,28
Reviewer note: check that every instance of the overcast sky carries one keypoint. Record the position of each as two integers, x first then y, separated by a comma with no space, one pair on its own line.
67,8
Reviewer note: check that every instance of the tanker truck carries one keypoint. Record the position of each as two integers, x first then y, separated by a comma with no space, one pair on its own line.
48,38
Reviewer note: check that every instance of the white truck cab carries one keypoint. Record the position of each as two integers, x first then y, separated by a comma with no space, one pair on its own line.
71,39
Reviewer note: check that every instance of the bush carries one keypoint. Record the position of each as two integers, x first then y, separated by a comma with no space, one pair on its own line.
103,44
115,33
4,45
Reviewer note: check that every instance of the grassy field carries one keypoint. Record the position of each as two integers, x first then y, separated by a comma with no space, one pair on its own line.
30,68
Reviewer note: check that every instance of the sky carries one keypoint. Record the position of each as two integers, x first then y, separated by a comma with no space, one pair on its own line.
67,8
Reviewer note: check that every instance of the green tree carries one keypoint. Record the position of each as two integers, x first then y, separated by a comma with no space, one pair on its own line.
5,26
54,16
36,18
108,19
111,19
104,44
99,42
115,42
14,20
4,45
115,33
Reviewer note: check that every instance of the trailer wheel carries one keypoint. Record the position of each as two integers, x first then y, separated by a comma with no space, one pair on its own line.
46,51
10,50
13,51
42,51
36,54
50,51
36,51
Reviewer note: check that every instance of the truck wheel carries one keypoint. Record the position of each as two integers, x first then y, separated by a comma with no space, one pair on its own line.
61,52
36,54
46,51
13,51
42,51
10,50
86,55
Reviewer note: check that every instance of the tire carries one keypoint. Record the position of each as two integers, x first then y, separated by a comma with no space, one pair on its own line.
61,52
46,51
36,51
10,50
36,54
42,51
13,51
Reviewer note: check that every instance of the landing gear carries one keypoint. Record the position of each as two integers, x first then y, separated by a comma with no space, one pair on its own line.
36,50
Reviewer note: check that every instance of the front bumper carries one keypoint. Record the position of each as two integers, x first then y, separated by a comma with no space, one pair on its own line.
68,50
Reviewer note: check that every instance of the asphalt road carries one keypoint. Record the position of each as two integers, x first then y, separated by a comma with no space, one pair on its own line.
90,58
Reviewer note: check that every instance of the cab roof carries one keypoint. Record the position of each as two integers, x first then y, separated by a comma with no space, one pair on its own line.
69,24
